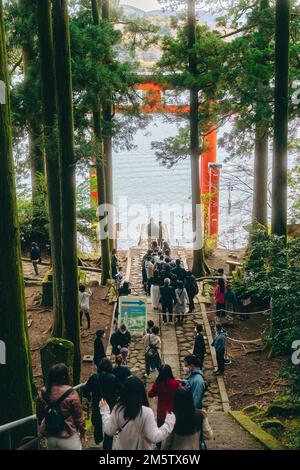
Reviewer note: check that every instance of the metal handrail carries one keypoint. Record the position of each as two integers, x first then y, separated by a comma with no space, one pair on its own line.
28,419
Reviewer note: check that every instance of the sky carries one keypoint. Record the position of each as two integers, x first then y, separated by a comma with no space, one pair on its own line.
142,4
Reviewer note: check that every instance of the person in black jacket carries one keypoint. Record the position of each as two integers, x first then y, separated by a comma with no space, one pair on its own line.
199,346
99,351
191,288
179,271
167,300
103,385
120,341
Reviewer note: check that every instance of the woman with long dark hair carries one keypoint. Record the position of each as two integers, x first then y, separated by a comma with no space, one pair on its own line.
164,388
59,411
220,291
132,422
191,428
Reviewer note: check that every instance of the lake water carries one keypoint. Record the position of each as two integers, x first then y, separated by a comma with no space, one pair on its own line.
141,182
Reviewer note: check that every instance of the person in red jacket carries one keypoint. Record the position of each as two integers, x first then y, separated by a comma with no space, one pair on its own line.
220,292
164,388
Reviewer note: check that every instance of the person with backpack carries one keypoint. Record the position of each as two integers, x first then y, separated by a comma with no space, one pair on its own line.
152,345
132,423
182,300
199,346
35,256
191,427
103,385
192,289
59,412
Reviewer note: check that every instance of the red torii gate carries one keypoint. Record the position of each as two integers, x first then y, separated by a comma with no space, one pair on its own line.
153,102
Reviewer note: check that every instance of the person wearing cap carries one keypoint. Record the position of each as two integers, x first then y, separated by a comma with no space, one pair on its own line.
195,380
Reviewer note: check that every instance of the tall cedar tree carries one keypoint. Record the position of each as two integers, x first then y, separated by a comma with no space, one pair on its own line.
52,155
35,130
279,186
100,166
199,265
107,128
63,80
15,376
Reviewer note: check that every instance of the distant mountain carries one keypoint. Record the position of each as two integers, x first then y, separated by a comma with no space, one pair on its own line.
203,16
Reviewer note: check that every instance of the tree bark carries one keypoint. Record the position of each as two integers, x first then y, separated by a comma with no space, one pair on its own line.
35,131
101,177
260,190
279,181
52,155
200,267
15,376
107,132
61,35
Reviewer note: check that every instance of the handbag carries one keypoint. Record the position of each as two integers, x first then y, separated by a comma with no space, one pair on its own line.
151,350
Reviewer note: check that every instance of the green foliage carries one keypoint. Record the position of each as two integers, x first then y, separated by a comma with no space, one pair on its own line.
272,272
33,215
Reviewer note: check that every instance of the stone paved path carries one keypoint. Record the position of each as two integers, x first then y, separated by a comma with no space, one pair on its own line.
177,342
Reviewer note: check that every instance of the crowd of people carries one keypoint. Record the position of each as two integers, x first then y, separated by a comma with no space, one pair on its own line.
171,287
121,415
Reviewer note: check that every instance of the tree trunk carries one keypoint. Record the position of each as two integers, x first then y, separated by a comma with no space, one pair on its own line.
35,131
52,155
199,265
101,179
279,181
15,375
107,133
61,36
260,190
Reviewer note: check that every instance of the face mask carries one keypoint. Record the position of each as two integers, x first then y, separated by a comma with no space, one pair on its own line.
186,370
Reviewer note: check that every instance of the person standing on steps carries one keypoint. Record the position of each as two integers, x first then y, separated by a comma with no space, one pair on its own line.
164,389
195,380
120,341
149,266
102,385
160,234
220,291
84,304
219,344
191,428
179,271
121,372
152,344
114,263
35,256
192,289
155,283
99,351
199,346
132,421
182,301
167,300
59,412
222,274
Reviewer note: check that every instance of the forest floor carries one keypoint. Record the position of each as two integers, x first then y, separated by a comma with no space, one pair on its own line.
40,320
252,377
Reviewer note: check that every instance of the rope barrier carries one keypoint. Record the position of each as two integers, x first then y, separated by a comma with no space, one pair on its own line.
262,312
244,341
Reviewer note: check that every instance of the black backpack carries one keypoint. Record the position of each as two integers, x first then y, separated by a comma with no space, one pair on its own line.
54,419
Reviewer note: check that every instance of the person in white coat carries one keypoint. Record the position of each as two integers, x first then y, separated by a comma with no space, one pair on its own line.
132,423
182,301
